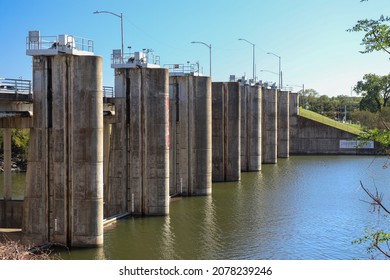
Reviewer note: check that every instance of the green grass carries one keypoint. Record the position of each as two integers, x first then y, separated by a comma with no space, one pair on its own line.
354,129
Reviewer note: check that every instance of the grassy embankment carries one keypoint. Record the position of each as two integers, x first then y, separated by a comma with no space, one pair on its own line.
351,128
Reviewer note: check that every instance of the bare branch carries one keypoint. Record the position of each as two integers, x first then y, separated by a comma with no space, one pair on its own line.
377,199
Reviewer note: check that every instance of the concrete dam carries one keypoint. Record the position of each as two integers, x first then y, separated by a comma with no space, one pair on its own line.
166,132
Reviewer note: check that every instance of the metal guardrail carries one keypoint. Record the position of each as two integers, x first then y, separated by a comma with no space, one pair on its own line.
15,86
108,92
189,69
59,42
19,86
136,58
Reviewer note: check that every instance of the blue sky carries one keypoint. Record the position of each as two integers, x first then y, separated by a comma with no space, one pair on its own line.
309,35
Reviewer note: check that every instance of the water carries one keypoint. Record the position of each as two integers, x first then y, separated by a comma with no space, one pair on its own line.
304,207
301,208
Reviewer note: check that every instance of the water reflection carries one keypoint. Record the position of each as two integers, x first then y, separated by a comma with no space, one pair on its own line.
167,241
301,208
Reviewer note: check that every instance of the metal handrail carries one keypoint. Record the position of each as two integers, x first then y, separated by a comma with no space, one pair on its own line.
182,68
53,42
131,58
16,86
108,92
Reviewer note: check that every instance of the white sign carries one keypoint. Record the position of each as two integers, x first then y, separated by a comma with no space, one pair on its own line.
356,144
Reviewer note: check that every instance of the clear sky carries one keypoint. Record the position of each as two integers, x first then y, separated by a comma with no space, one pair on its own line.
309,35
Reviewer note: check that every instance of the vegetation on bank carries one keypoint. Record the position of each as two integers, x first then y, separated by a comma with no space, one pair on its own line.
19,145
13,250
327,121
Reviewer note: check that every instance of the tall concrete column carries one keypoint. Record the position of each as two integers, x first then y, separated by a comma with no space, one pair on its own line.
251,128
139,157
64,191
226,131
283,124
269,126
7,134
190,134
294,112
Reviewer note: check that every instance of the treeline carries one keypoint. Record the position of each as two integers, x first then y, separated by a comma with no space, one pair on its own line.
338,108
19,143
371,109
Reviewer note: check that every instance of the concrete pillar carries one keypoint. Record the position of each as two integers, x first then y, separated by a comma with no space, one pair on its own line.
7,133
190,135
269,125
250,128
294,112
226,126
139,157
283,124
64,191
106,154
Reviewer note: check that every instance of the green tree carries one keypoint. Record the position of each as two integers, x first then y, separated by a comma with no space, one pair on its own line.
377,34
376,38
375,90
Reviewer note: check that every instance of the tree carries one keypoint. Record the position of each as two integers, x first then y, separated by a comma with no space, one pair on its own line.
375,90
377,38
377,34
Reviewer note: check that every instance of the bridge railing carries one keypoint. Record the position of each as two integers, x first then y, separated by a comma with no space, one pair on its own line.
15,86
108,92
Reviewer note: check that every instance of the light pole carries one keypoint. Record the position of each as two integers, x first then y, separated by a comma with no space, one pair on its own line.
280,69
254,65
303,92
209,46
121,17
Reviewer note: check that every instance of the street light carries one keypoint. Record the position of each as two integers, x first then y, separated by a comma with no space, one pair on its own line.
303,93
253,46
121,17
280,69
209,46
269,72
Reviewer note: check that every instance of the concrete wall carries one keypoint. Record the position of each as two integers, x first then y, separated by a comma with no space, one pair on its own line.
293,112
226,131
269,125
283,124
11,213
138,180
251,103
315,138
190,135
64,191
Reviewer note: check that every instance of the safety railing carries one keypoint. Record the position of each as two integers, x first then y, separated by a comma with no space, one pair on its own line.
184,69
15,86
136,58
108,92
61,42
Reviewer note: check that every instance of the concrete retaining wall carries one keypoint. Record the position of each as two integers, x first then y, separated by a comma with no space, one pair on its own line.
315,138
283,124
